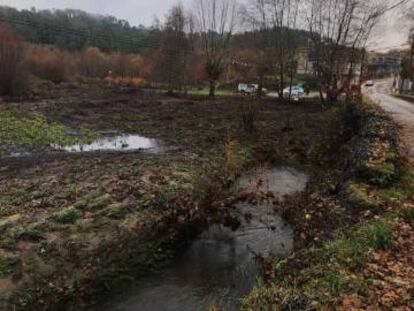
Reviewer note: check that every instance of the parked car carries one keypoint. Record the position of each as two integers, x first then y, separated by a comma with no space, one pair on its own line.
369,83
249,89
295,92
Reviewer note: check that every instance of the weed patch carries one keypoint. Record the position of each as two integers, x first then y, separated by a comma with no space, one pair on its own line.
27,132
33,231
358,195
6,266
66,215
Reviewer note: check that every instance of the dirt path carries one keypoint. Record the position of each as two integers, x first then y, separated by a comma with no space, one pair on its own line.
401,111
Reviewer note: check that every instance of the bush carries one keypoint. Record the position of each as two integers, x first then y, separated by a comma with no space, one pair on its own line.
93,63
124,65
12,52
49,63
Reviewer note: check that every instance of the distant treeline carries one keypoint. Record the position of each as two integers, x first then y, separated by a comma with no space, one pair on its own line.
76,30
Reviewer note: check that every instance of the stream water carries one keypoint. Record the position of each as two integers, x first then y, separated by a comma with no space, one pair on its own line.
219,268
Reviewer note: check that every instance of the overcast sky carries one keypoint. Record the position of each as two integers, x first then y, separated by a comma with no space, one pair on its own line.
135,11
391,33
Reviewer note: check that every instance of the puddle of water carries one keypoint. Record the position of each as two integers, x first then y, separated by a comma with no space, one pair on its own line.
281,181
116,143
18,154
219,267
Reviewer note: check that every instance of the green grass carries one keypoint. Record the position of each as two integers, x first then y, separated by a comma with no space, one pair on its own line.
358,195
33,231
408,214
67,215
34,131
4,225
205,92
6,266
352,250
326,275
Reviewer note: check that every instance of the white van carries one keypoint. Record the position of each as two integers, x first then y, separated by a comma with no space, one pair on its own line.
249,89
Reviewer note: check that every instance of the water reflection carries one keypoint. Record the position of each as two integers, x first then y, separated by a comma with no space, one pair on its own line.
219,268
116,143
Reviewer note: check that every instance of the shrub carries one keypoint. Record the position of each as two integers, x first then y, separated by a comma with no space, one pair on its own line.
119,64
12,52
49,63
93,63
249,116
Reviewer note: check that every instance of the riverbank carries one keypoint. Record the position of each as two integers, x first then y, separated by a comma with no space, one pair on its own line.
356,235
77,227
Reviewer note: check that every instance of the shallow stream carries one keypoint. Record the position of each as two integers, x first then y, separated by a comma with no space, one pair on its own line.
219,268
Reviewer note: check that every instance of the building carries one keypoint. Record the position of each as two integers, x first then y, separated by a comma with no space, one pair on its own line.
307,64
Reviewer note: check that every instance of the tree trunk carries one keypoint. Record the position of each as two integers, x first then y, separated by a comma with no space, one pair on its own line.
260,88
321,95
282,81
212,92
290,86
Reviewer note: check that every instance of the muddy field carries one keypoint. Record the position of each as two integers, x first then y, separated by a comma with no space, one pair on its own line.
76,224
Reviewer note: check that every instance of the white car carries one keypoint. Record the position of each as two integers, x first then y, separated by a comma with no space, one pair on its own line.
249,89
369,83
294,92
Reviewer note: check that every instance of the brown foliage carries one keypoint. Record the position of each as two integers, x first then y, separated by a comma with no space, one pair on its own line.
124,65
49,63
93,63
11,59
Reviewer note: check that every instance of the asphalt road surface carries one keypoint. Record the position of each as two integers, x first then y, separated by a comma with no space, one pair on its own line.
400,110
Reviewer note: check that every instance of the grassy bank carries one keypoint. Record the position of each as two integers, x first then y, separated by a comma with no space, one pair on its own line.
344,233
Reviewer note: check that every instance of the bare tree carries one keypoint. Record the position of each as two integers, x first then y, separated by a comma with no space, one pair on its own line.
340,30
262,61
174,50
276,20
12,52
216,21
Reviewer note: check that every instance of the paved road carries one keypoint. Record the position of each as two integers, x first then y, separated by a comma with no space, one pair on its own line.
400,110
